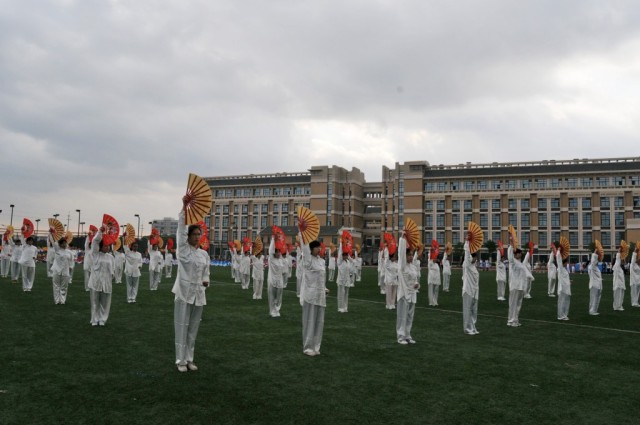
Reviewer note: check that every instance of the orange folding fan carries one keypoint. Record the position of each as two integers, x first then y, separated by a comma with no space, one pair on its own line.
199,199
308,224
56,229
476,237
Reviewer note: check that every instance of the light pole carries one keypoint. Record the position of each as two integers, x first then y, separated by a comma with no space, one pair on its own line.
138,217
37,227
11,223
78,211
82,224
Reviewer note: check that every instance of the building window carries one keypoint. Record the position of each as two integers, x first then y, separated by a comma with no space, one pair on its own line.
512,204
542,239
619,218
524,204
586,203
513,219
244,222
401,187
238,192
285,220
455,238
619,238
256,208
276,220
511,184
484,204
495,204
455,205
496,184
635,180
468,206
484,220
555,237
225,209
263,222
619,202
606,238
495,236
266,191
440,220
618,181
555,219
428,187
602,181
285,208
276,207
573,238
525,184
605,202
429,221
495,220
455,219
217,209
400,205
586,182
467,219
555,202
542,203
542,219
443,186
541,183
235,210
428,205
573,220
586,239
586,219
440,238
225,222
245,209
605,219
572,182
525,238
482,185
573,202
636,201
440,205
454,185
524,220
469,185
555,183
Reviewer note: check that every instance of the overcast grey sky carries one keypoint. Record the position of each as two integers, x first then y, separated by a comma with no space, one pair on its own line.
107,106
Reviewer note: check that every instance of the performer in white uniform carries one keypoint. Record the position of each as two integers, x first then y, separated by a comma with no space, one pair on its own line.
391,280
102,270
189,289
312,297
552,272
408,286
155,267
50,256
332,265
299,272
28,263
244,268
618,283
168,263
357,266
61,269
87,264
16,253
275,283
383,254
5,270
527,264
470,290
257,267
344,280
595,284
132,266
235,264
119,257
634,279
446,272
433,279
518,275
564,287
501,276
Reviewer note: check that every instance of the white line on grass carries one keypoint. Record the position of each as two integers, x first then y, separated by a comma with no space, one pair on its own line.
480,314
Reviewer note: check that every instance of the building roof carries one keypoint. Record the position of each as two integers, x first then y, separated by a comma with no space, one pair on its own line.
259,179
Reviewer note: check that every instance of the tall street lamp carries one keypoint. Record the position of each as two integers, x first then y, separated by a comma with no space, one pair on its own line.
37,227
11,223
138,217
78,211
82,224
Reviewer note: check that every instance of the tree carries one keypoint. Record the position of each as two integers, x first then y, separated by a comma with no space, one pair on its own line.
491,247
458,250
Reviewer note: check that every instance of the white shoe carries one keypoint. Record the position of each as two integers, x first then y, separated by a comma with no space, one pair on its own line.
310,353
594,314
192,366
182,368
411,340
402,342
469,332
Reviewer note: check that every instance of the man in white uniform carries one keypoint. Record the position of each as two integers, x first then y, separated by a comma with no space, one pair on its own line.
470,290
595,284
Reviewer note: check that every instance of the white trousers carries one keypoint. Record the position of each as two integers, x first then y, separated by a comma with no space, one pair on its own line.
236,276
100,306
433,294
28,274
469,313
257,288
87,276
118,273
501,285
515,304
527,292
358,275
275,300
5,267
298,282
552,287
186,321
404,319
245,279
618,297
154,279
446,278
635,292
380,279
391,292
563,305
15,270
60,286
167,270
594,300
312,327
343,298
132,287
49,266
332,273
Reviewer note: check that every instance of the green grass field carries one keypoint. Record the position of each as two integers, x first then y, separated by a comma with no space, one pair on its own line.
57,369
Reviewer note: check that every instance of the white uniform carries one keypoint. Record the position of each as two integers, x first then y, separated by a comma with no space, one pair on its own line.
61,270
5,263
381,264
470,293
618,284
357,267
391,282
119,257
275,283
168,263
155,268
564,289
501,276
244,268
102,271
433,279
87,262
527,264
344,281
312,300
518,275
28,265
408,285
634,280
446,272
16,253
235,265
257,265
50,256
552,271
299,271
132,266
595,285
189,290
332,268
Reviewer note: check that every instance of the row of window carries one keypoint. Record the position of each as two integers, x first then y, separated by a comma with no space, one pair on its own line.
544,238
258,208
543,219
262,191
543,203
526,184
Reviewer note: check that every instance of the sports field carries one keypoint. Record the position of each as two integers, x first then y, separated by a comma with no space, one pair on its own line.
57,369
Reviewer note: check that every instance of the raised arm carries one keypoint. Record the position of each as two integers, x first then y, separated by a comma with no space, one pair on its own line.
402,252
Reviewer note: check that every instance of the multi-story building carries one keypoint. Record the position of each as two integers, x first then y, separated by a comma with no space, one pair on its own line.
166,225
581,199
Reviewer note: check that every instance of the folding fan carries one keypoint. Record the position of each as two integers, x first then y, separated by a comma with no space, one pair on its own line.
129,234
435,249
358,248
257,245
323,249
624,250
231,245
637,246
69,237
332,248
9,232
170,243
204,242
599,250
157,240
392,246
347,242
27,228
501,249
198,199
476,237
308,224
57,229
412,233
117,244
420,249
246,245
512,232
448,248
92,232
155,231
112,229
237,244
530,245
278,238
204,231
564,247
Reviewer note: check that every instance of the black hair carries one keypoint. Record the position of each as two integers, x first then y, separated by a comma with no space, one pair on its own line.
314,244
192,228
518,251
61,241
30,239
